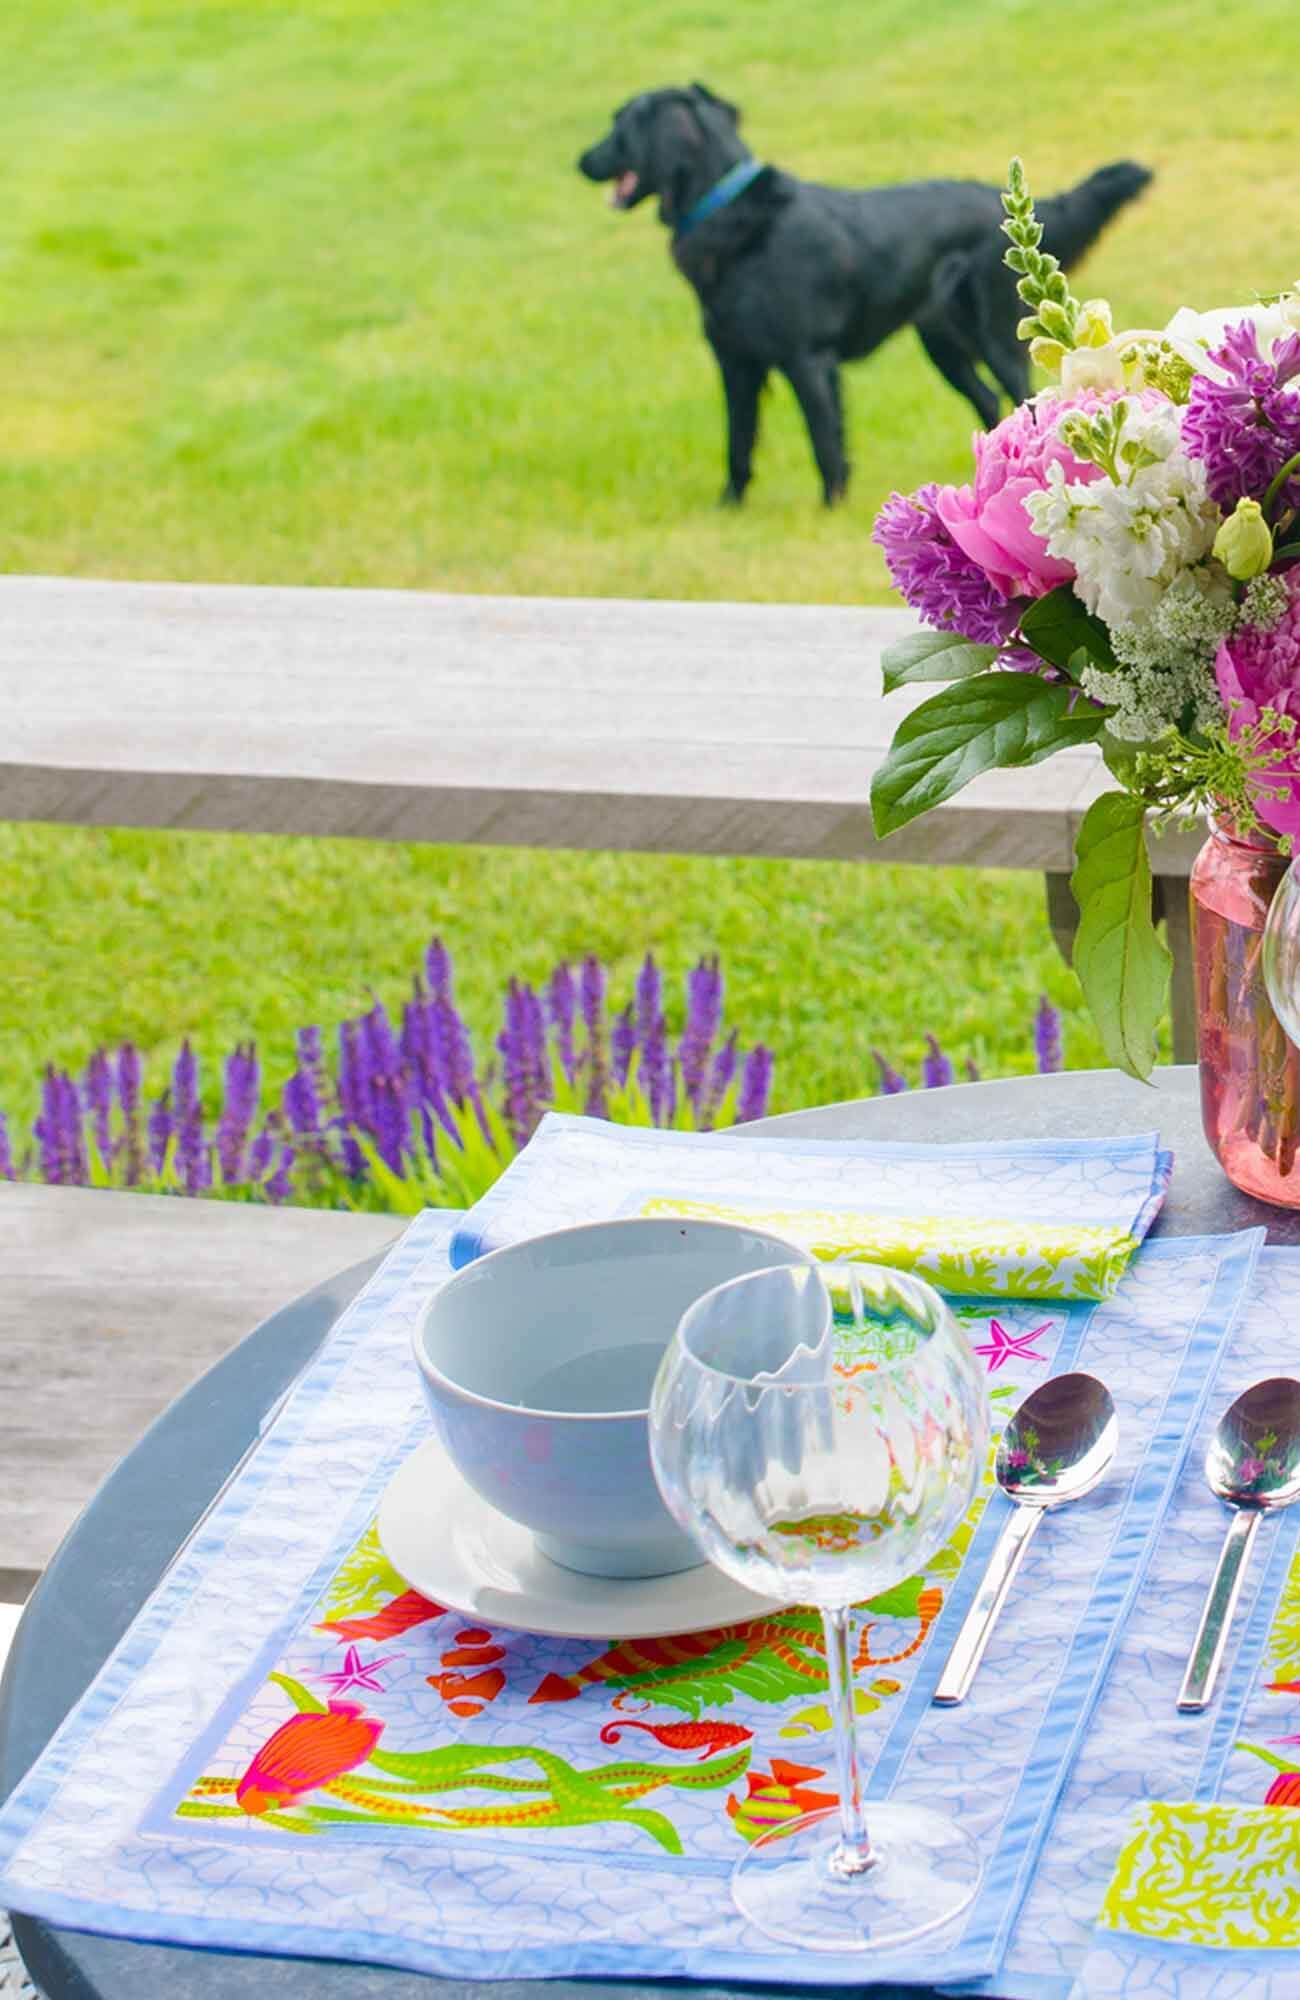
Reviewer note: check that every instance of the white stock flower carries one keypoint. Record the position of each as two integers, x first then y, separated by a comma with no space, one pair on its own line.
1129,538
1194,333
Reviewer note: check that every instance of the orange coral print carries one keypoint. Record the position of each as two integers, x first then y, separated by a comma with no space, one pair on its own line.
307,1751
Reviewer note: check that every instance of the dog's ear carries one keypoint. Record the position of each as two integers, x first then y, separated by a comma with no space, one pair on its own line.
711,97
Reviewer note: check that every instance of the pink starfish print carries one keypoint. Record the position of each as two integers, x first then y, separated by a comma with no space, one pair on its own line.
353,1673
1003,1346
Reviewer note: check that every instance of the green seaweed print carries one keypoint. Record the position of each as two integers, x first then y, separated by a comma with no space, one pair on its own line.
323,1769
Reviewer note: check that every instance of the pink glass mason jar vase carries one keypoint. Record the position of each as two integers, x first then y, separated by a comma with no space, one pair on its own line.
1250,1071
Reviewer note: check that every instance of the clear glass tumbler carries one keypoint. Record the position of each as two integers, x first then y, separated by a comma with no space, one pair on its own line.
820,1458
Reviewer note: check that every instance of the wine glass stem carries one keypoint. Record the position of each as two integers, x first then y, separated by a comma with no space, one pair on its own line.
853,1853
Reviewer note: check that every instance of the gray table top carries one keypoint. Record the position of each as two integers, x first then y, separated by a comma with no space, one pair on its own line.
114,1556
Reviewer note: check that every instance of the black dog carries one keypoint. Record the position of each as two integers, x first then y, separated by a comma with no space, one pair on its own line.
799,278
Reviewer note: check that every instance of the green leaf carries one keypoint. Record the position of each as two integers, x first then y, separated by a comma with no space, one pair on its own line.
990,723
1058,626
1123,967
933,656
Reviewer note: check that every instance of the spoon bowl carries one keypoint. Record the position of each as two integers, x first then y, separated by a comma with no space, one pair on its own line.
1059,1443
1057,1447
1254,1455
1253,1463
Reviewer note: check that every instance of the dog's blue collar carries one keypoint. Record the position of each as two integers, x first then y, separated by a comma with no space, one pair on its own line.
733,182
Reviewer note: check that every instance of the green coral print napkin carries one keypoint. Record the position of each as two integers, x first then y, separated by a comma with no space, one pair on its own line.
1042,1219
1223,1876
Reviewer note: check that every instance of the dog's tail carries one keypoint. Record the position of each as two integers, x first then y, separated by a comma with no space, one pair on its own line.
1073,221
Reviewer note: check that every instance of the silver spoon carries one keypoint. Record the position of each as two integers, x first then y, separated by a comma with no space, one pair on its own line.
1254,1464
1056,1448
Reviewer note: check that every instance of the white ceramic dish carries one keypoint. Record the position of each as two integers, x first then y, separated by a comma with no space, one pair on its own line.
537,1362
451,1545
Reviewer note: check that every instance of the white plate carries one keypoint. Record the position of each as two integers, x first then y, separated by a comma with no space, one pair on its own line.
453,1547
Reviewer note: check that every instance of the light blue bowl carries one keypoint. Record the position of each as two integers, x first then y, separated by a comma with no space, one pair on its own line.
537,1363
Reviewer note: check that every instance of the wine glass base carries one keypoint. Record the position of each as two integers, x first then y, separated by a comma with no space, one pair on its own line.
927,1873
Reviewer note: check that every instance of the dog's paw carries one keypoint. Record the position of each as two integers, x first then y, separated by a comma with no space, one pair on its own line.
731,496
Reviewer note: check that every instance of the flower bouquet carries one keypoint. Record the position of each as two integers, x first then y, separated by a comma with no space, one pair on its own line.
1124,569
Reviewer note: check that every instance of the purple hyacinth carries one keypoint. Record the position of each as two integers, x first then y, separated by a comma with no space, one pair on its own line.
562,1008
243,1083
755,1085
193,1160
1245,429
99,1100
591,1000
703,1021
6,1153
891,1080
936,1070
1047,1037
161,1130
934,576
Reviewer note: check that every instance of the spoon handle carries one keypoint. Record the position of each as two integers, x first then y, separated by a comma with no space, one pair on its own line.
1216,1618
977,1626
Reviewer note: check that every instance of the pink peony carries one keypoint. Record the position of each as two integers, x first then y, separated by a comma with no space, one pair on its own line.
987,520
1259,668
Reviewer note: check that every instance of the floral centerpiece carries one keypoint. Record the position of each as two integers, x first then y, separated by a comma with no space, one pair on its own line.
1124,569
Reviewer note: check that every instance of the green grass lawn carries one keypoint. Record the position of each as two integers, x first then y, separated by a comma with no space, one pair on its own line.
312,294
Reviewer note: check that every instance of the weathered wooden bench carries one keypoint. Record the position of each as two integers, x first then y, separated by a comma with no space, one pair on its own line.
540,722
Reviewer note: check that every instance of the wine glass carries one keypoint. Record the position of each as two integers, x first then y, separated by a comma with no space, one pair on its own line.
821,1434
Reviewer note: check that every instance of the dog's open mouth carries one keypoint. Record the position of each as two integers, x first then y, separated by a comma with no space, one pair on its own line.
624,190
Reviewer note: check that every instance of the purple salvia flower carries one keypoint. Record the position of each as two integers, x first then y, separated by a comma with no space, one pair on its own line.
452,1051
280,1187
1245,425
238,1110
936,1070
892,1080
936,577
6,1155
130,1077
654,1070
302,1106
622,1043
99,1098
261,1152
703,1020
1047,1037
354,1079
162,1127
562,1007
755,1085
721,1077
58,1132
591,996
388,1094
515,1067
311,1058
437,967
193,1161
48,1132
352,1158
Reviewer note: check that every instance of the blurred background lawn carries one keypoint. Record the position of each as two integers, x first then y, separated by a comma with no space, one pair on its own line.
312,294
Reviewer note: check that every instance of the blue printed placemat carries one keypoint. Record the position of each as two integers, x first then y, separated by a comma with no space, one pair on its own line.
292,1751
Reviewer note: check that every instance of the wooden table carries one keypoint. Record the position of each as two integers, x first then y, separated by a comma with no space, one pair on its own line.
536,722
108,1566
112,1305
